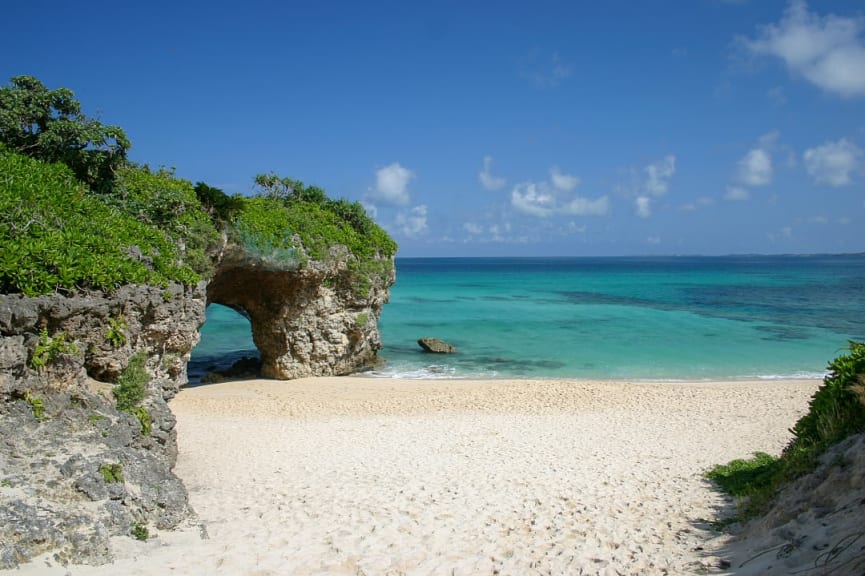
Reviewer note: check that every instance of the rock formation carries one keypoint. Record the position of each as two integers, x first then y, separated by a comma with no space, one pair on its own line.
436,346
75,470
316,320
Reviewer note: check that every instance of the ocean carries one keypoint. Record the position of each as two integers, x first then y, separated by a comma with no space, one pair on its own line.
639,318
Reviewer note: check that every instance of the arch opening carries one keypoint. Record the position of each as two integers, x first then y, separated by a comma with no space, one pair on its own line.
226,350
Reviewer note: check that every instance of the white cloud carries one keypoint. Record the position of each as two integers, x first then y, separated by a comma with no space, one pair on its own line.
701,202
544,73
833,163
659,174
825,50
473,228
412,223
563,181
392,185
737,194
644,206
755,169
488,181
776,96
542,200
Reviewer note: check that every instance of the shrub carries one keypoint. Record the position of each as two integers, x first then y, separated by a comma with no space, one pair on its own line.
37,405
140,531
132,384
169,203
287,215
836,411
111,473
54,236
48,348
115,335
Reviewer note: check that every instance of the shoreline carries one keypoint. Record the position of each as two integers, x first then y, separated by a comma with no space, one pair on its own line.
360,475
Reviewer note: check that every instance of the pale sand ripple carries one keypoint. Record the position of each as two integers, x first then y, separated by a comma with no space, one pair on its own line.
373,476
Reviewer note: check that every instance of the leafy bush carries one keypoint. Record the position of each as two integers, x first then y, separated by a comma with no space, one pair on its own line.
132,384
140,531
37,405
286,215
217,203
55,236
112,473
837,410
48,348
116,335
169,203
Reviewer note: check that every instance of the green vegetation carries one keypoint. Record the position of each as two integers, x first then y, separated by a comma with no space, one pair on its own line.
48,125
169,204
115,336
95,418
48,348
287,216
111,473
131,388
76,214
37,405
143,416
132,384
217,203
140,531
837,410
55,236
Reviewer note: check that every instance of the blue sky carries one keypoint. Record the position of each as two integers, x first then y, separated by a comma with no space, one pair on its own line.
493,128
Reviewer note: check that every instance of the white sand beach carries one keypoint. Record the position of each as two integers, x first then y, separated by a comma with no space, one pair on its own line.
455,477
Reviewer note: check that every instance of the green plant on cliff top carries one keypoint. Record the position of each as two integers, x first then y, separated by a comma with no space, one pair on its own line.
48,348
56,236
837,410
287,216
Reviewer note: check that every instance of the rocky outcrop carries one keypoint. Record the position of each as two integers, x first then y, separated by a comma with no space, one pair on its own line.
75,470
320,319
436,346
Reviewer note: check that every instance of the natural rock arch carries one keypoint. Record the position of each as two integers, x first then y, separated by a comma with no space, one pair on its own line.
309,321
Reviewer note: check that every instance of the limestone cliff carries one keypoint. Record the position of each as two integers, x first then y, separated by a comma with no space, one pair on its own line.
75,470
317,320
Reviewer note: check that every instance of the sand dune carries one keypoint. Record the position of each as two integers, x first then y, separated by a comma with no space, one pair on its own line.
374,476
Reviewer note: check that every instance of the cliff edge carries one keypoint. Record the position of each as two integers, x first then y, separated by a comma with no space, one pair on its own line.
78,464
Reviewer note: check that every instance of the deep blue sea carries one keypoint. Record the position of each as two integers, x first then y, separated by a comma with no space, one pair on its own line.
647,318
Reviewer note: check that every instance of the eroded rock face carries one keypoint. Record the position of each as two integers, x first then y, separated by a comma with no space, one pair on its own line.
59,425
320,320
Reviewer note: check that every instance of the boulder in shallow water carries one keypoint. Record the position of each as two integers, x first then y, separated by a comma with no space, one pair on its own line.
436,346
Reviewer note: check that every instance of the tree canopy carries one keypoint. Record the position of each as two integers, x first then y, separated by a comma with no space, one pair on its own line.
49,125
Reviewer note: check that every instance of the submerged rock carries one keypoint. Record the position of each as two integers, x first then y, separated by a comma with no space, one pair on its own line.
436,346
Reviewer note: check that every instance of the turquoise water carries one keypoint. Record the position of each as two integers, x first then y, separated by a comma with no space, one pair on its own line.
636,318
